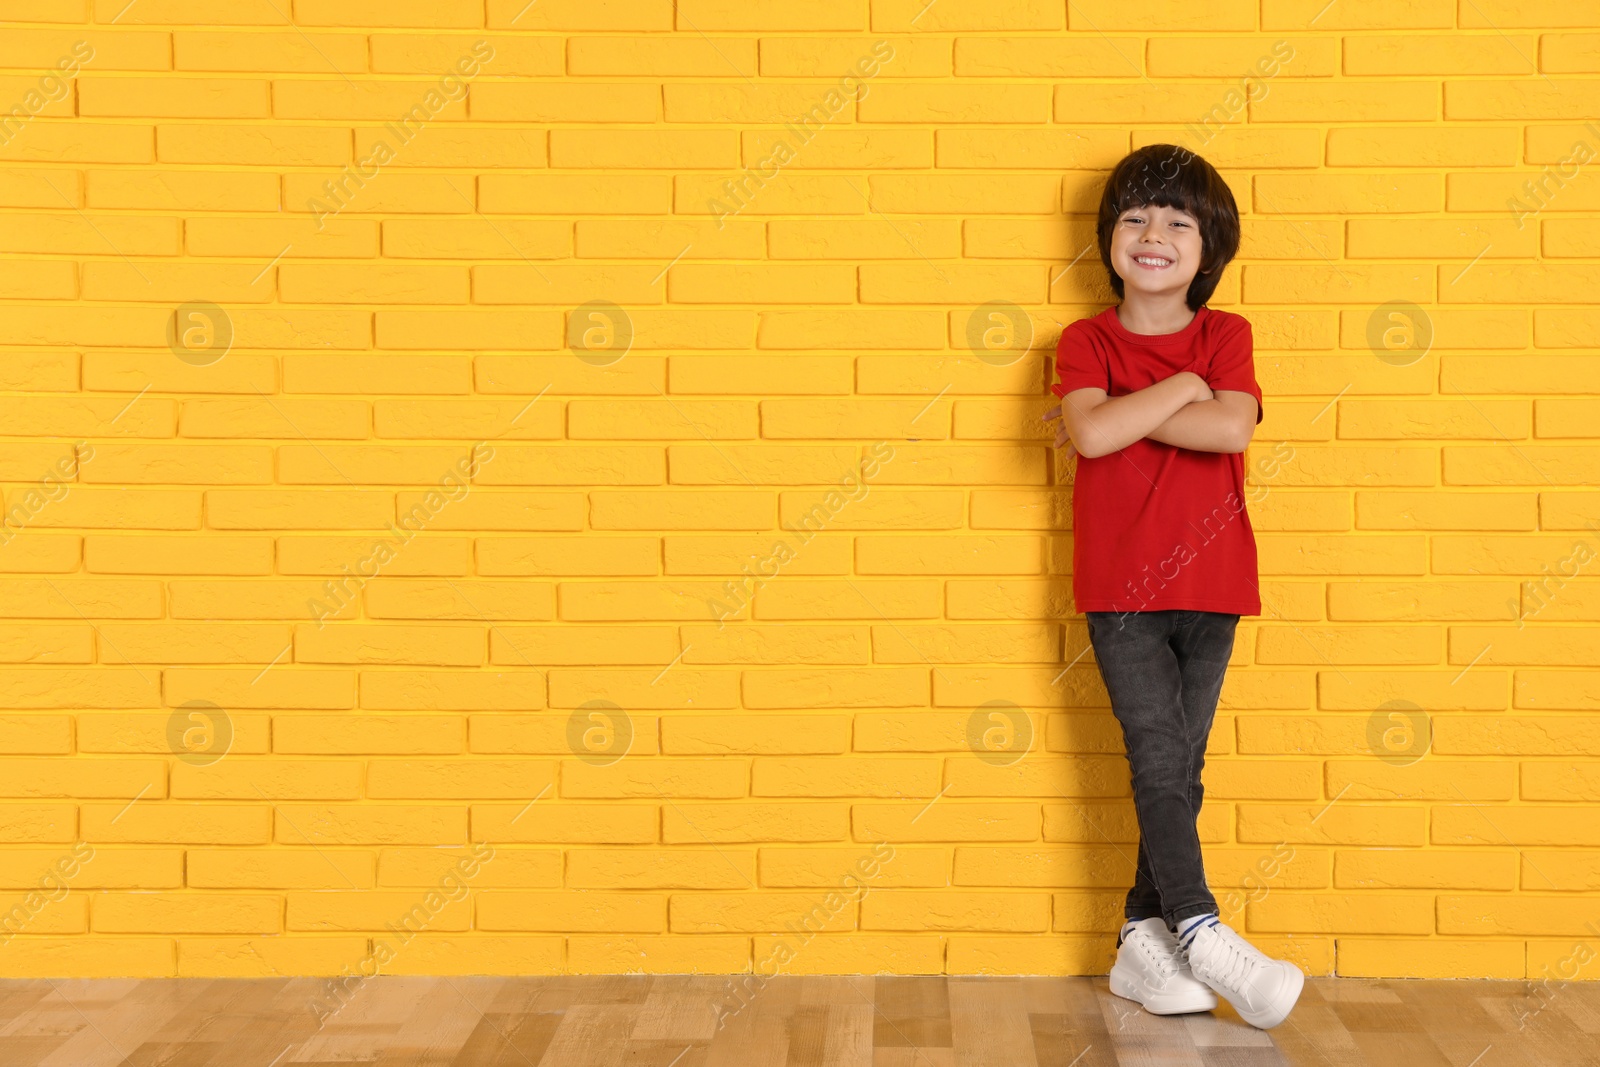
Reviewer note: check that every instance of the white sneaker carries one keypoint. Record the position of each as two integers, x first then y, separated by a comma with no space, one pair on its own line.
1262,989
1150,969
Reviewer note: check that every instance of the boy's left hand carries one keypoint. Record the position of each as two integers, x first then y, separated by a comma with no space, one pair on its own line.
1062,437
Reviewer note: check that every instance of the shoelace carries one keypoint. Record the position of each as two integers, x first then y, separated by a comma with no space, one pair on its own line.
1162,956
1239,960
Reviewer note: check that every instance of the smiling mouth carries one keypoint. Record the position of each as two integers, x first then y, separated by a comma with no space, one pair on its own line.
1153,262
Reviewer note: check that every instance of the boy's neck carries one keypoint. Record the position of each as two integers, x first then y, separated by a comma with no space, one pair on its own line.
1154,316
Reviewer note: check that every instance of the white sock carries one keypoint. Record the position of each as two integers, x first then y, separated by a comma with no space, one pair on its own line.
1187,927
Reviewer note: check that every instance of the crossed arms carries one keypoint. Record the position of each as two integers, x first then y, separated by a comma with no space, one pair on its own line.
1181,410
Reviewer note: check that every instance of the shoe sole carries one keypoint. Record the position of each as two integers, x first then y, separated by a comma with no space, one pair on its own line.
1128,990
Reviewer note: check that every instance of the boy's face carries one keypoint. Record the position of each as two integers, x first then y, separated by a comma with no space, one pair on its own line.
1166,240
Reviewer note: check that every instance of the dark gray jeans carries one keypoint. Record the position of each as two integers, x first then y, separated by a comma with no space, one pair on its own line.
1163,671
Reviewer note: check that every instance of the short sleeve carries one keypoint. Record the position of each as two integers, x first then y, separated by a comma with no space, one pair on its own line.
1233,365
1079,364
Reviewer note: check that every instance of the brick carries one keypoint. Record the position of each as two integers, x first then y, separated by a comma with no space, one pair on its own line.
1433,419
248,779
1519,193
667,239
575,102
1559,869
809,106
229,283
1536,914
182,191
556,465
1431,957
1430,780
81,142
854,329
173,643
284,417
478,600
1365,100
695,283
319,283
433,14
36,98
1424,869
1098,56
856,418
644,419
611,15
585,646
756,912
1341,913
1338,823
567,194
245,599
1380,147
475,238
467,329
717,200
116,554
1055,150
965,821
511,418
886,509
1567,52
1466,99
835,55
1417,14
883,283
74,234
831,239
447,145
253,144
259,51
930,465
171,97
613,149
434,53
516,283
925,103
887,554
290,238
26,187
755,555
179,464
1221,57
121,49
876,149
740,374
658,56
1416,601
397,192
768,15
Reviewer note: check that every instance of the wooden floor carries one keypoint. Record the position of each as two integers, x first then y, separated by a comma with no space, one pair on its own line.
671,1021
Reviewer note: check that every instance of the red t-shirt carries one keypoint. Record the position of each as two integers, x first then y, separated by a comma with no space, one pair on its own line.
1157,527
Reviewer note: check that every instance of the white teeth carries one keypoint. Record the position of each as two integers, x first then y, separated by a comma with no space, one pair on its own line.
1152,260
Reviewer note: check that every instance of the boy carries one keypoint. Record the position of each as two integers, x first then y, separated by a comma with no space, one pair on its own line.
1160,401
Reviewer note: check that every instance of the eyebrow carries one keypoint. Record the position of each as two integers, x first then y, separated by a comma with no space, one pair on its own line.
1146,211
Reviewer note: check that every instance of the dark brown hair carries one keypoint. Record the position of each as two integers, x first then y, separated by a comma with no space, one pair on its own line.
1166,175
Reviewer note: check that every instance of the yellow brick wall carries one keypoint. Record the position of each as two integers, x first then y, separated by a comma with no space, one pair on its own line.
728,626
